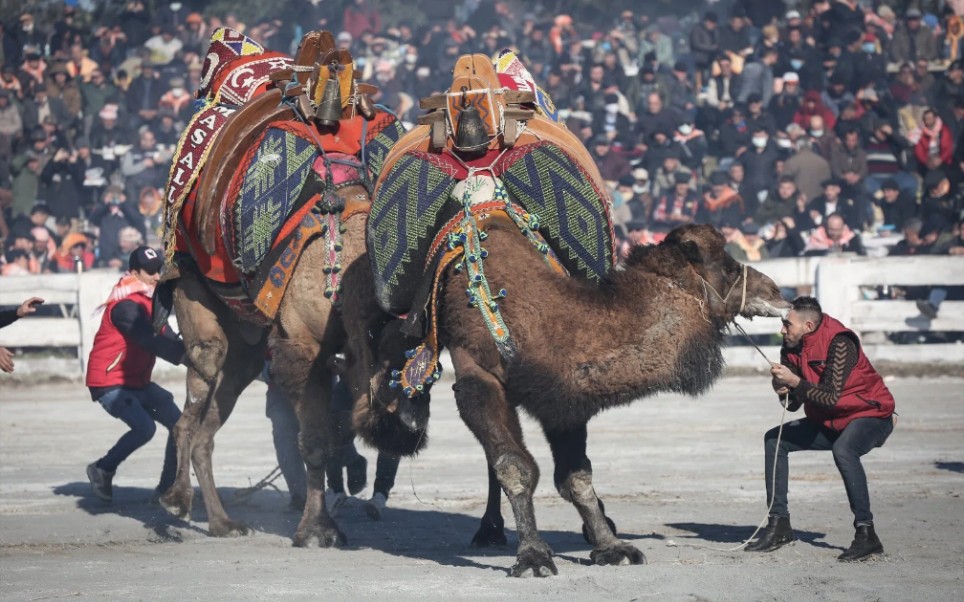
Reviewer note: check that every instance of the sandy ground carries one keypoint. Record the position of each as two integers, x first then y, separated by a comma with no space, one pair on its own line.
681,477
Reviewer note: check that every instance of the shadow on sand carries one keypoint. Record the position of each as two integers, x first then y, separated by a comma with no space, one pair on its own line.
735,534
951,466
431,534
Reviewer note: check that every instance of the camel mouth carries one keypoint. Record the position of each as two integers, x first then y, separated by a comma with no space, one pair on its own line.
765,309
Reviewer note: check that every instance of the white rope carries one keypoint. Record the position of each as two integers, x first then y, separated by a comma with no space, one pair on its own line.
773,477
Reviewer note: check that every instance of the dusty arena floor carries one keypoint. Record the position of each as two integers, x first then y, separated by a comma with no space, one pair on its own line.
675,473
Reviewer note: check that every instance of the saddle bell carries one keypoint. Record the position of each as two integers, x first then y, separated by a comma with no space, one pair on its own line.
470,134
328,112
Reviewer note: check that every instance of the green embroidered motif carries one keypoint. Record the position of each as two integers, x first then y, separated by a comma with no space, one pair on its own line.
259,236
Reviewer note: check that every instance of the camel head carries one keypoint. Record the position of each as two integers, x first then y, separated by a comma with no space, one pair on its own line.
390,421
730,287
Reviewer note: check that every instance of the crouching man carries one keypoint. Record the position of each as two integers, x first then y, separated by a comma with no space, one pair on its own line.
119,372
849,411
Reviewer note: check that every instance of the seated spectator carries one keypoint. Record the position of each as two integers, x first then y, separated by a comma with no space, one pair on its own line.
784,241
745,244
914,41
721,203
692,144
760,161
17,263
938,202
675,207
935,148
612,165
897,206
667,171
834,236
813,105
831,202
784,106
781,203
42,256
111,216
74,254
887,156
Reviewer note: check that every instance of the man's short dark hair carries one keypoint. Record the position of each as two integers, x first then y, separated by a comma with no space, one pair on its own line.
808,305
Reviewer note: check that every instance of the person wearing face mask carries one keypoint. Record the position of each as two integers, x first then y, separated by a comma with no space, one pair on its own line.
641,203
849,411
870,66
177,101
759,161
609,120
692,144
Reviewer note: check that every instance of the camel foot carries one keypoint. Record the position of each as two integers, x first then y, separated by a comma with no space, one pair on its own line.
588,537
491,534
177,502
534,561
323,537
228,528
618,553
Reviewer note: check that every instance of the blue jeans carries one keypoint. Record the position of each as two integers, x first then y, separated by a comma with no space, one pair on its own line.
857,438
139,409
284,431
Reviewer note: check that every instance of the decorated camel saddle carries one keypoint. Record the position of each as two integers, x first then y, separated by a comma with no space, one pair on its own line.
256,171
487,149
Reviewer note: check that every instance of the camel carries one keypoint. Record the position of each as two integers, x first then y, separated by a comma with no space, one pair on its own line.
315,318
656,325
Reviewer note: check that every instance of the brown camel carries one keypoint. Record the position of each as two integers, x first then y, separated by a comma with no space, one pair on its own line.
311,320
225,354
654,326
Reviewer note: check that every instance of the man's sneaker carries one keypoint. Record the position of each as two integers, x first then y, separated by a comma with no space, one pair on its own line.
100,482
334,501
375,506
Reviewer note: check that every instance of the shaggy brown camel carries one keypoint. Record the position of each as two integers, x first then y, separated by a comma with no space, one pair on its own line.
225,354
654,326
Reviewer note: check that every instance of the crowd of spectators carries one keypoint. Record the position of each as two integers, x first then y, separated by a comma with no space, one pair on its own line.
797,128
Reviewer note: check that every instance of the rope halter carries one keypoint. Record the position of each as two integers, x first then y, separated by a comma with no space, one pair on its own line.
709,287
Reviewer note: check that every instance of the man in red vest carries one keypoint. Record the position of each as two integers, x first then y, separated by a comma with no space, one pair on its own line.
119,371
849,411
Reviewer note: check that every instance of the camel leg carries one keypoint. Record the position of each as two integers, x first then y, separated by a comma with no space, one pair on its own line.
573,479
304,377
491,532
484,408
220,365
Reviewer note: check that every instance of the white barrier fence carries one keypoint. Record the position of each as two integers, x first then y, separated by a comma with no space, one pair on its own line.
839,283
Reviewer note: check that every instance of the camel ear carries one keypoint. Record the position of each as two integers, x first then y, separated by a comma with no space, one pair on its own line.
691,251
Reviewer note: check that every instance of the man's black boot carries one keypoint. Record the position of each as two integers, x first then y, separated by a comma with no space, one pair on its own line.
865,544
777,534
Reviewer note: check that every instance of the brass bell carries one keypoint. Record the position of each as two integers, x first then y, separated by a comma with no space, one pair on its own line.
470,135
328,112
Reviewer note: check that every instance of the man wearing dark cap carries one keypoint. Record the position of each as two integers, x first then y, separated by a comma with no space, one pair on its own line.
913,40
938,204
611,165
897,206
119,371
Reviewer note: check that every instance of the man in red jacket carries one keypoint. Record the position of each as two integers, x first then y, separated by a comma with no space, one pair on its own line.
119,371
849,411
